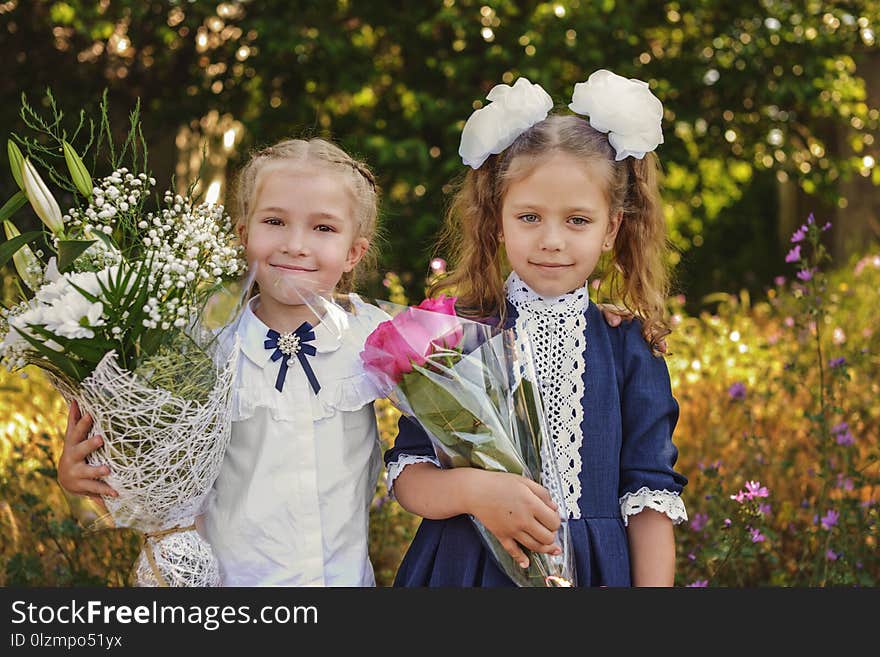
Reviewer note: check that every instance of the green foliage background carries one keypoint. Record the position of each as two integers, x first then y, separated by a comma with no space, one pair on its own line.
755,93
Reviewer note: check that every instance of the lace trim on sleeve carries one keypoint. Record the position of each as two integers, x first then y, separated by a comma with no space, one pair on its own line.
663,501
393,469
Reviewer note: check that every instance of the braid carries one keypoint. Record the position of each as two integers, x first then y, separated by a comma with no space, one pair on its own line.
361,168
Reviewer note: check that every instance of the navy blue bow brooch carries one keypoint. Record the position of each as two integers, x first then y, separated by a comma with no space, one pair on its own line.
289,344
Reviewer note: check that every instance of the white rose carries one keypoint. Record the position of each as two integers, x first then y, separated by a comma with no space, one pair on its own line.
624,108
510,112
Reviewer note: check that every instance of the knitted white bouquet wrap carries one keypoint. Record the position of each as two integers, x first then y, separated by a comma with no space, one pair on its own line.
164,452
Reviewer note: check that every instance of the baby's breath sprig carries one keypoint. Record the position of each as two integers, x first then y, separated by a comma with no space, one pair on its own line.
131,272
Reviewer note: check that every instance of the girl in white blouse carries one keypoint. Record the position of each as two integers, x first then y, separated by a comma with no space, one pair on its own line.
291,502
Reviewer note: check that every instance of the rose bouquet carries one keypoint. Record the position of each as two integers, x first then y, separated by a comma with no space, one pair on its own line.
469,385
116,315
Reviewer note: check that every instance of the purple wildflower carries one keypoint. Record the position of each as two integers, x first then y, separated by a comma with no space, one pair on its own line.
799,234
739,497
837,362
779,280
764,509
842,434
727,522
829,520
757,536
755,489
737,391
845,438
811,219
831,555
698,584
379,502
805,275
699,521
846,483
794,255
692,556
827,226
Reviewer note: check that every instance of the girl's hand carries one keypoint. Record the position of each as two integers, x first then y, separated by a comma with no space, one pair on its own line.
518,511
614,315
74,474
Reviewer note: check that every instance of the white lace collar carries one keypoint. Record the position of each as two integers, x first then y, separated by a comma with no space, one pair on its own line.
555,327
525,299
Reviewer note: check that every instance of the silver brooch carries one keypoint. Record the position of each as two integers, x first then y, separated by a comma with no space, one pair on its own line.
288,343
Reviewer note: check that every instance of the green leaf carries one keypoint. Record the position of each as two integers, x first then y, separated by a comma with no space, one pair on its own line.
69,251
88,295
91,350
12,205
66,365
10,247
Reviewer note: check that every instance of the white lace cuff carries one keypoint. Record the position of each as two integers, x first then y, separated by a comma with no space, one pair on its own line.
393,469
662,501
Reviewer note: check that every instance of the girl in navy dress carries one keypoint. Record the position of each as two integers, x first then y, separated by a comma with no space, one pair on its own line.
547,199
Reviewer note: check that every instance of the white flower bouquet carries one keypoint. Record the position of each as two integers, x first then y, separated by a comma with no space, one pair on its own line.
116,298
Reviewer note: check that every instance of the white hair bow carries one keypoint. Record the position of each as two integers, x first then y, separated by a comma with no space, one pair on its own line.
510,112
624,108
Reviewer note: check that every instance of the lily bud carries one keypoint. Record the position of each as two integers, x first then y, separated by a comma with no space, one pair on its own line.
41,198
15,161
78,172
26,263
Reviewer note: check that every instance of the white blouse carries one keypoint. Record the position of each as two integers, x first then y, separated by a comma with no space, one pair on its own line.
291,504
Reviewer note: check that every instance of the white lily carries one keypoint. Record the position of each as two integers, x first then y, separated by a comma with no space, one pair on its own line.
41,198
78,172
15,161
26,263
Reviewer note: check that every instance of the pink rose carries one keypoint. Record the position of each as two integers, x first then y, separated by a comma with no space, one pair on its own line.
413,335
442,304
386,353
445,327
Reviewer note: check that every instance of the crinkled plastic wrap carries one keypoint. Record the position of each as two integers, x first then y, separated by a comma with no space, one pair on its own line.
471,386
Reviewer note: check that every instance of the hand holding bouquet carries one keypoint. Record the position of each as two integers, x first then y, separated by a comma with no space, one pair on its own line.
471,389
116,317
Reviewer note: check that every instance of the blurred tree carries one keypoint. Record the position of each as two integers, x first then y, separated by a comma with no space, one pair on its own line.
758,96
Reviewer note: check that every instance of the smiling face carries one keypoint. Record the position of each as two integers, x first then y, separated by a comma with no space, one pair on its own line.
556,223
301,238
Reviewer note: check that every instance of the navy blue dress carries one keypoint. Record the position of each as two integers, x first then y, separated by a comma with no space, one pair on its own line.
629,417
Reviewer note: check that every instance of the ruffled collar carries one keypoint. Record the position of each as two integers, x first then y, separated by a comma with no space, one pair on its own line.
328,333
526,301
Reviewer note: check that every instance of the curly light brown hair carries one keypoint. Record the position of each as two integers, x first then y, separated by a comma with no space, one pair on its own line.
635,275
